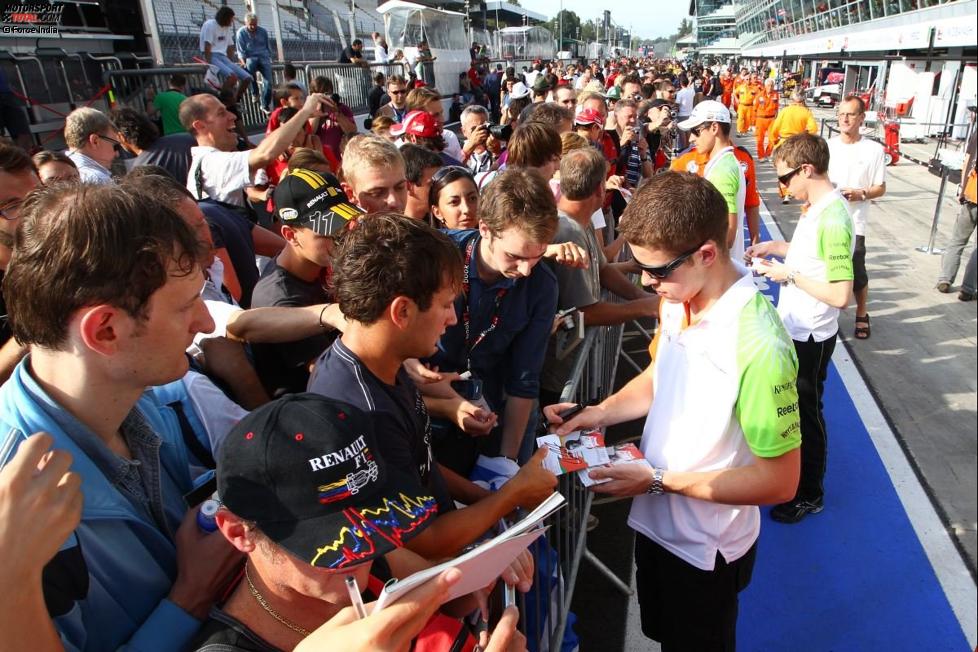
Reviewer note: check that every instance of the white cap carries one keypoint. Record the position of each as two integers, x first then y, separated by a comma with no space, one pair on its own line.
706,111
519,90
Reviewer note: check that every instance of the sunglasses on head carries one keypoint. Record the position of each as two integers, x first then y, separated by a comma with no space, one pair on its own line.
662,272
786,178
458,170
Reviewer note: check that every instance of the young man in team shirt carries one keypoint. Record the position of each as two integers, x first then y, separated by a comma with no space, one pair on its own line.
695,161
817,280
710,125
721,386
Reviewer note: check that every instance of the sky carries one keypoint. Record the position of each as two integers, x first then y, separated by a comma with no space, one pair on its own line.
648,18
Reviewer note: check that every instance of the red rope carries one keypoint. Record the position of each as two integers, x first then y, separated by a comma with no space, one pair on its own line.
102,91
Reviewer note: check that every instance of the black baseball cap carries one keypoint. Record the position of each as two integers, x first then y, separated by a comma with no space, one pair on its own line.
307,470
314,200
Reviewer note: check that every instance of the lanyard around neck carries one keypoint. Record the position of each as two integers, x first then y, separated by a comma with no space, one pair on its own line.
470,344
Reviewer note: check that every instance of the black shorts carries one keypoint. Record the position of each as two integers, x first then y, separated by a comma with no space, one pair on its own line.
683,607
860,278
12,116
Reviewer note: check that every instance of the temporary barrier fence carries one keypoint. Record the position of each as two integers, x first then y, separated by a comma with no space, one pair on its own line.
591,380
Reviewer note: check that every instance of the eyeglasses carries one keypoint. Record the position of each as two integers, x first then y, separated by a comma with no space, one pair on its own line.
698,128
786,178
848,115
662,272
402,92
11,210
115,143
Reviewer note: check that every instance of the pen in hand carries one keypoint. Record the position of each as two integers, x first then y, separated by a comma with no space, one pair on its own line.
355,599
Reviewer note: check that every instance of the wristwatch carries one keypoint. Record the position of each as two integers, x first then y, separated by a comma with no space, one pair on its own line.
656,488
790,279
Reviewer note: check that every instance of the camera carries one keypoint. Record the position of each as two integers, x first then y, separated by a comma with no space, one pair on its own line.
500,132
673,113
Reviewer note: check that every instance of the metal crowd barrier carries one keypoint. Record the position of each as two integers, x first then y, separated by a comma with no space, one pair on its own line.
352,83
592,379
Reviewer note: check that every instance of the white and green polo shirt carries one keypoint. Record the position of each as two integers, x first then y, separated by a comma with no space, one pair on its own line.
726,175
820,249
724,393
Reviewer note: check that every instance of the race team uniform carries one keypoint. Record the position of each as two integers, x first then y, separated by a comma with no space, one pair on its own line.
738,362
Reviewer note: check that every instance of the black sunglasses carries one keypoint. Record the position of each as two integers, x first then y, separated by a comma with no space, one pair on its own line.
662,272
458,170
786,178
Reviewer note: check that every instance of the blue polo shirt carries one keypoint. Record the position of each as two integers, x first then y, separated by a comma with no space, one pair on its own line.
510,357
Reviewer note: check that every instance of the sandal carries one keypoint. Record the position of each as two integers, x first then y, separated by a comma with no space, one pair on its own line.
862,328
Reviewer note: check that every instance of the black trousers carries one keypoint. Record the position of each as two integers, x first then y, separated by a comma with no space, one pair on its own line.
685,608
813,365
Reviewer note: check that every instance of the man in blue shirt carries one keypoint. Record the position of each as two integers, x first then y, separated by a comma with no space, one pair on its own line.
505,312
255,55
111,321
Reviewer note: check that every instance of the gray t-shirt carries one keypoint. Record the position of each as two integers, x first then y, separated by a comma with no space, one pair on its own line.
576,288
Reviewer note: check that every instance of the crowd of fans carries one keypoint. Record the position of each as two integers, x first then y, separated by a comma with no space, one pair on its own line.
344,325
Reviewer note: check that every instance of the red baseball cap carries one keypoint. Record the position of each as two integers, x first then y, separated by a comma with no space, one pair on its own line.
419,123
585,117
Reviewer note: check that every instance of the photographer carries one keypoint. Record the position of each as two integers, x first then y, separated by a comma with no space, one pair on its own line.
633,161
337,124
658,118
475,130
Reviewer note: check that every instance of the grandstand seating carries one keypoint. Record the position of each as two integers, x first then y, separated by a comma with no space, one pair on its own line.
308,26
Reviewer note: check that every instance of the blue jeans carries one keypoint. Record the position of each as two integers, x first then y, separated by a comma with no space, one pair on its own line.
228,67
264,66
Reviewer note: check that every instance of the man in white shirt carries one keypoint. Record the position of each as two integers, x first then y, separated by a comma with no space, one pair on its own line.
93,143
721,418
857,167
709,124
217,47
380,48
217,170
816,278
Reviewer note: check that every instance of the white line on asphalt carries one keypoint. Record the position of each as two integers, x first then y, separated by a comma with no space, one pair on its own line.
944,557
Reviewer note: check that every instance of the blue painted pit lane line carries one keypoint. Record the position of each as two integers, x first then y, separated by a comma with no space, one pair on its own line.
876,570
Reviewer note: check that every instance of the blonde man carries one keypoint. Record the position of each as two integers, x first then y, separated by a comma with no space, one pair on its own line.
373,174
